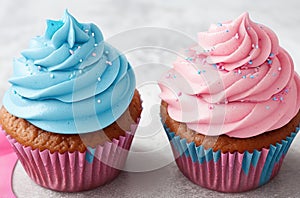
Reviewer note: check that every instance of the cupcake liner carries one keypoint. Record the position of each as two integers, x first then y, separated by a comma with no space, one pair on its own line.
228,172
72,172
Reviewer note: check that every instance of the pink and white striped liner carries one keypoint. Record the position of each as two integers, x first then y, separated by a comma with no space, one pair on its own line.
72,172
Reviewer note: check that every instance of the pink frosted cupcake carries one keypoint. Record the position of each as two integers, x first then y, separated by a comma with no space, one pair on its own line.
72,109
231,110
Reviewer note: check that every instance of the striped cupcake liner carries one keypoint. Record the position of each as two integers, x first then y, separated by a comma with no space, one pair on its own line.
73,172
228,172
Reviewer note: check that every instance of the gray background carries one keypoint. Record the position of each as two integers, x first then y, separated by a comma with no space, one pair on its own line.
151,171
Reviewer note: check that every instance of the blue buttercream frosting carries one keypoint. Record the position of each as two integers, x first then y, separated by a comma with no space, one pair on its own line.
69,80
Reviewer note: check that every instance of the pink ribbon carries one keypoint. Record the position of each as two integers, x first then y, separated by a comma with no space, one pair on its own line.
8,160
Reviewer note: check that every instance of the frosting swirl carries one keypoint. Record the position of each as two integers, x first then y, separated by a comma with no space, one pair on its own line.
242,84
69,80
237,43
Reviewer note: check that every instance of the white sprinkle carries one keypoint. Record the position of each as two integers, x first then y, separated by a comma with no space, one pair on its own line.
255,46
99,79
109,63
237,36
71,51
94,54
51,75
279,68
95,44
86,31
106,52
93,34
80,60
78,47
98,101
39,68
80,71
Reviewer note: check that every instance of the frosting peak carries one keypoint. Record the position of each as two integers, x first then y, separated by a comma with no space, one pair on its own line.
238,43
65,44
70,80
66,30
242,84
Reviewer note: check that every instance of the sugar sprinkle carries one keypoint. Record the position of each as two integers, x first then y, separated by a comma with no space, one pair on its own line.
109,63
269,61
71,52
211,107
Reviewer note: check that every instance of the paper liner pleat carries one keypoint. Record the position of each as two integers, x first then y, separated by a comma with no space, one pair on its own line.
228,172
72,172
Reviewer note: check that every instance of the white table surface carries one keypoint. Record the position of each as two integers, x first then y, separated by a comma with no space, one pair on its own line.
147,32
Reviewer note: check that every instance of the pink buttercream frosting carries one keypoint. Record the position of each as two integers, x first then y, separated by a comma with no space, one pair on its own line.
242,84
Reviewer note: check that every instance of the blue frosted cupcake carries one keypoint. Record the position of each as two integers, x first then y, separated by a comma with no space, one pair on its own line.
72,109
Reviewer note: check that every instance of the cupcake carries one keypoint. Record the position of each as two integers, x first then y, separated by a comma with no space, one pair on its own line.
230,107
72,110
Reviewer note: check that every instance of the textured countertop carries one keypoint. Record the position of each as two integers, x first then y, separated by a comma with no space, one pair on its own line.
150,33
